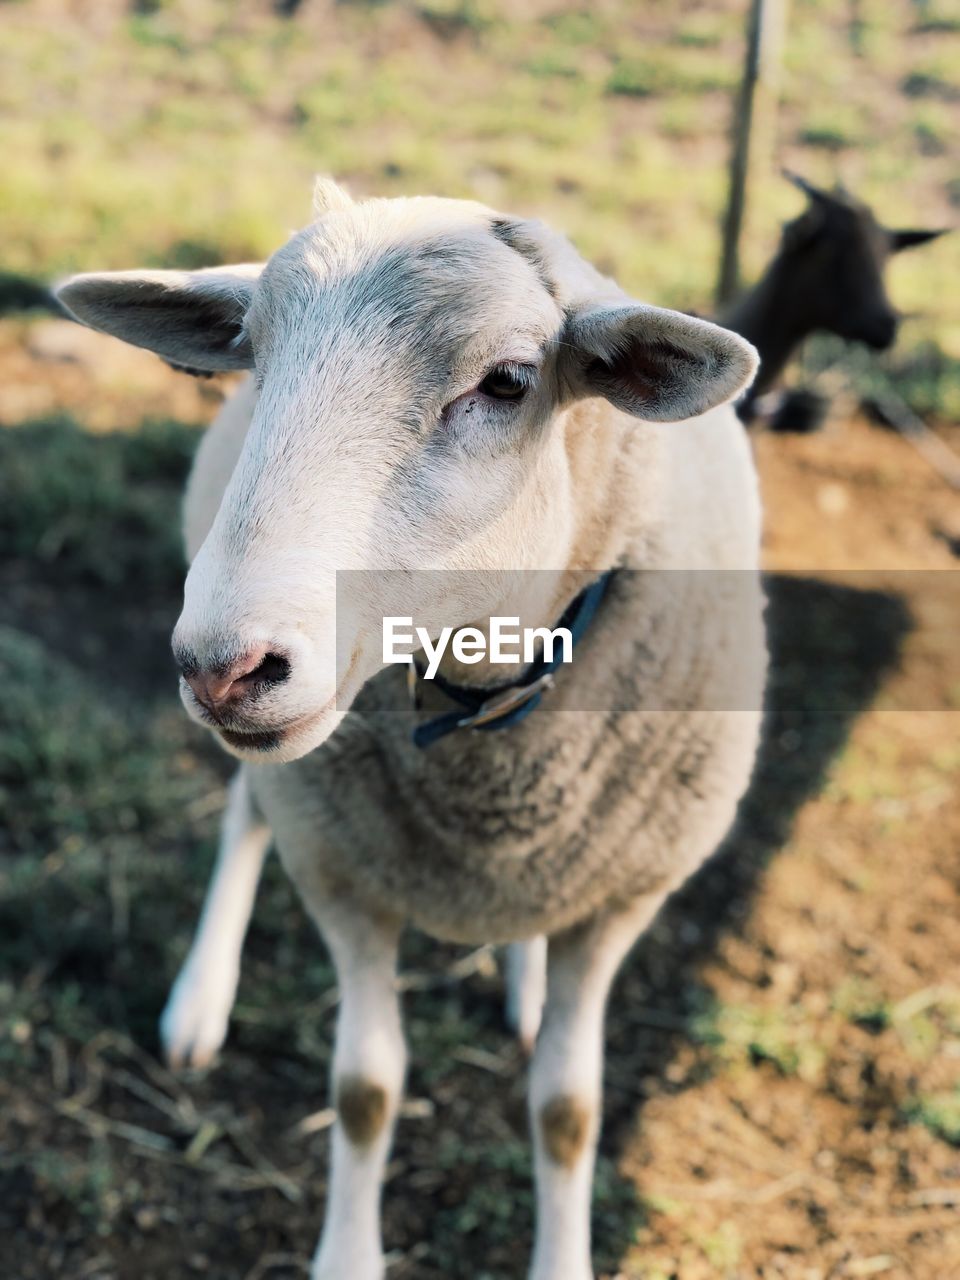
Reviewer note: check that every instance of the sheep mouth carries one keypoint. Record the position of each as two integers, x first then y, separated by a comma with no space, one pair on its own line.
265,740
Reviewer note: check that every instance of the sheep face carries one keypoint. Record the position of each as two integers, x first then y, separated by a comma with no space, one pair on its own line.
414,362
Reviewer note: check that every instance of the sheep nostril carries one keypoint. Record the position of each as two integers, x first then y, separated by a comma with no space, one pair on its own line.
228,682
272,668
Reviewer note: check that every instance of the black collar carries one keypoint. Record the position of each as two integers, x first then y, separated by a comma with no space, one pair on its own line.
502,705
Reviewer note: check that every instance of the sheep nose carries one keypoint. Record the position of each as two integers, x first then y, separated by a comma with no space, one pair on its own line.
225,683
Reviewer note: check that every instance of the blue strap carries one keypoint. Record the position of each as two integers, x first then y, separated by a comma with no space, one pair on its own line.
537,679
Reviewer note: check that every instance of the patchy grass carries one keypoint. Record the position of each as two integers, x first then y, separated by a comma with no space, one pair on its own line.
186,135
99,508
799,1040
69,766
940,1112
833,129
785,1037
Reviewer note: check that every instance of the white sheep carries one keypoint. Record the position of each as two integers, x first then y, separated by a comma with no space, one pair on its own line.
447,394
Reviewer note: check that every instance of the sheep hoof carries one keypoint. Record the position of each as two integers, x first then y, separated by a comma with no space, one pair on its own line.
193,1025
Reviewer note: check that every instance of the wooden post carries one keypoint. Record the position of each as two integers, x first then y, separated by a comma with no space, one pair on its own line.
758,87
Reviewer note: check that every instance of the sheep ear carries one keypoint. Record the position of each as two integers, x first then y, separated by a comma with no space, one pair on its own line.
908,239
656,364
192,318
328,195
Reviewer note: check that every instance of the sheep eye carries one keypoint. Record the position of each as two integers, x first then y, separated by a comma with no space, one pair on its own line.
506,382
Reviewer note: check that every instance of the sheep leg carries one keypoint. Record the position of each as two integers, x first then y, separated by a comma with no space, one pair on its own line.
526,987
368,1068
565,1084
193,1025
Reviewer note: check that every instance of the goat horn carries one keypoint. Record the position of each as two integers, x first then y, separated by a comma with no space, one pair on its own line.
813,192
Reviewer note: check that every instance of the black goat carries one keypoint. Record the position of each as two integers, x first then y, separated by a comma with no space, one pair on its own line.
827,276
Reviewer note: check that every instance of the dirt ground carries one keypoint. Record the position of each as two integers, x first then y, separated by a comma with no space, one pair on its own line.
784,1047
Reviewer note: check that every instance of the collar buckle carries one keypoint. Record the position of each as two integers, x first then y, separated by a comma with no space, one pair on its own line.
504,703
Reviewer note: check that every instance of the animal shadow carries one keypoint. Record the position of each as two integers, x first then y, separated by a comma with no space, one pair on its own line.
831,647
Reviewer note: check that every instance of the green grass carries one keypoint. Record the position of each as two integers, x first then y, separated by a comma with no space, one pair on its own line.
940,1113
104,509
744,1036
68,765
188,134
98,766
796,1041
833,128
88,1183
